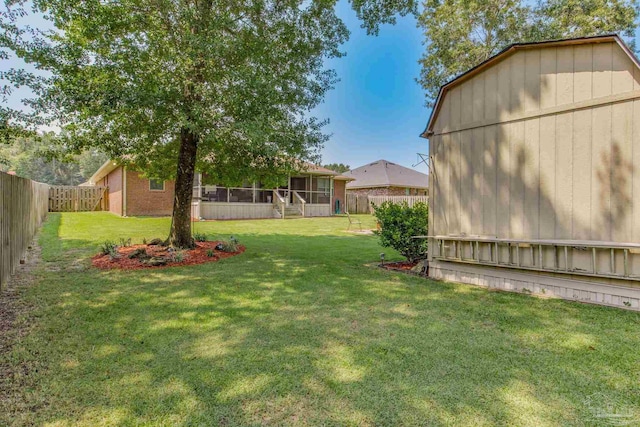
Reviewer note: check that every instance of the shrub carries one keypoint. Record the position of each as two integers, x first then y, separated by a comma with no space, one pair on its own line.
399,223
199,237
125,242
109,248
210,253
178,256
229,246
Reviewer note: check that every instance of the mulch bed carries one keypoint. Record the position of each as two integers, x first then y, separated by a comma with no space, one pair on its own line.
198,255
399,266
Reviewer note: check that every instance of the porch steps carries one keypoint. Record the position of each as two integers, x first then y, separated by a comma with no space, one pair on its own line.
289,212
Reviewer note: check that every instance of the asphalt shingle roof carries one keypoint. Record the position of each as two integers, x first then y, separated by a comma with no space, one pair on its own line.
383,173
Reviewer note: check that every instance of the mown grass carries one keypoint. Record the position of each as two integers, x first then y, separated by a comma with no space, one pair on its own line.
298,331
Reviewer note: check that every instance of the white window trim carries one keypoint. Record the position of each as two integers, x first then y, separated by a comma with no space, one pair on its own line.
153,189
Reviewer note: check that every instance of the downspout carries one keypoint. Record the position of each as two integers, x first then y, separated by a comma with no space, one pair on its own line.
124,191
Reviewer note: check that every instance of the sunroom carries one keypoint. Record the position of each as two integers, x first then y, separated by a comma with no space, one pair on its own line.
306,194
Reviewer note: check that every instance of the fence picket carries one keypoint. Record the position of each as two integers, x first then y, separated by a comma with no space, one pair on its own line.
361,203
77,199
23,207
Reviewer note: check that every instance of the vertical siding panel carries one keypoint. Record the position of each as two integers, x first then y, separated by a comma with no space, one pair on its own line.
532,178
489,192
443,121
621,173
491,93
477,146
454,184
504,71
564,174
518,161
478,97
517,89
583,72
454,96
635,186
600,173
622,71
602,69
532,80
466,101
547,177
636,78
443,179
565,75
466,181
434,184
548,75
581,212
504,166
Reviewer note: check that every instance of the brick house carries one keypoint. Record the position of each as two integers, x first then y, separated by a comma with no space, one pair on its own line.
316,191
383,178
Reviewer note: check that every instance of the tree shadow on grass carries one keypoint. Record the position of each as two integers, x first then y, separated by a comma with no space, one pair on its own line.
298,331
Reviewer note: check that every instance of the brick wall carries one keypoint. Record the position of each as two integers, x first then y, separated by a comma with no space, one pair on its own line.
339,194
388,191
143,201
114,182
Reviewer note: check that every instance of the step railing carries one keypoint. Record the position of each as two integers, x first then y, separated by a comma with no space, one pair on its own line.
298,202
279,203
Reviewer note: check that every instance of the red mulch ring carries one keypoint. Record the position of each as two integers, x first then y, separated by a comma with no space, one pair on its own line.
400,265
198,255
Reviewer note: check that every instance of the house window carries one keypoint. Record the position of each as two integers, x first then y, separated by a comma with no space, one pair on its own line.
407,191
156,185
324,184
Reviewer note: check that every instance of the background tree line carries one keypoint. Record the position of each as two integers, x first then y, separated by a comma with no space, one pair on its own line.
460,34
38,158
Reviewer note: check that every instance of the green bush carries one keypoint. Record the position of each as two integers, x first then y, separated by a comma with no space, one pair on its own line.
231,245
109,248
199,237
399,223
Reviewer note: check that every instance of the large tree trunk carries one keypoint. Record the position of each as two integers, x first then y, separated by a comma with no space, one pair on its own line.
180,235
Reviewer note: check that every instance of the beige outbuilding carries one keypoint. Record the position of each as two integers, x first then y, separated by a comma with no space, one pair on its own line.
535,172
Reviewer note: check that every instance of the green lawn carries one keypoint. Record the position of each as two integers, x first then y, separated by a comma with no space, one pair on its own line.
299,331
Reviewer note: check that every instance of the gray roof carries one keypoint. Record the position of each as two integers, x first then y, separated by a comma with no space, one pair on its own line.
383,173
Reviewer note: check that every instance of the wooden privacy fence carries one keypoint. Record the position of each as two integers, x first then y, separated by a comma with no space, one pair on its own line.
64,198
361,203
23,207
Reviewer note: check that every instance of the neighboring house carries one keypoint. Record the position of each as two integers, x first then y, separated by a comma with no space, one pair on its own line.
320,190
383,178
534,172
132,195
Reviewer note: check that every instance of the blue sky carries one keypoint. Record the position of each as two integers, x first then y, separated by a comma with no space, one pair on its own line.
377,109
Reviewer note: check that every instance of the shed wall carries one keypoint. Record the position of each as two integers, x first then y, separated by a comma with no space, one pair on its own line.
543,145
568,175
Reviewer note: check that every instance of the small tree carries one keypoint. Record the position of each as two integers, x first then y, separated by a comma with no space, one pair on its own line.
399,223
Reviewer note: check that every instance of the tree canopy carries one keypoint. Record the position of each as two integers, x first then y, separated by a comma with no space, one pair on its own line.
459,34
338,167
171,85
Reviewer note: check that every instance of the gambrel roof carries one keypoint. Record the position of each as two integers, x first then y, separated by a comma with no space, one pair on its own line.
510,50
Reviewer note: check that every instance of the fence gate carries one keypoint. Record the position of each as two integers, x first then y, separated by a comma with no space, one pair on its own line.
357,203
63,198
